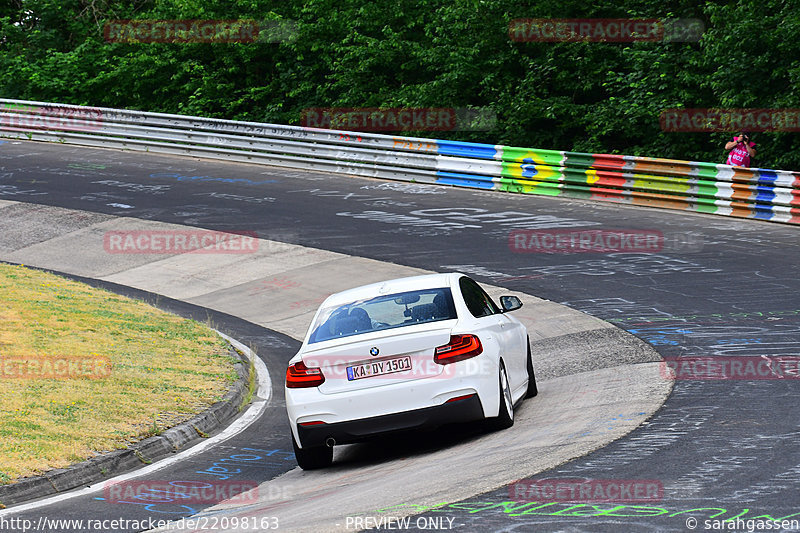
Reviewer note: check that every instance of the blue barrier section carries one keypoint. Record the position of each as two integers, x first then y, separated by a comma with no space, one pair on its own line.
465,149
765,194
766,177
762,212
464,180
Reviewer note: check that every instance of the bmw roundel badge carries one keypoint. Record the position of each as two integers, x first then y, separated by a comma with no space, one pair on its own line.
374,351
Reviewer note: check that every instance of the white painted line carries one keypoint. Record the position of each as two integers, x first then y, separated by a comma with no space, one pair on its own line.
251,415
262,374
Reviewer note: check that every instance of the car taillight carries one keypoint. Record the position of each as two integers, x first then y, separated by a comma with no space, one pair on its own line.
299,376
459,348
459,398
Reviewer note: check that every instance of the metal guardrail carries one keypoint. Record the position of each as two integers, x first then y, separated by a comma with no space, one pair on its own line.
688,185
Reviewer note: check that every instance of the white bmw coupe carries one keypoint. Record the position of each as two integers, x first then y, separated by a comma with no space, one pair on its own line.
405,354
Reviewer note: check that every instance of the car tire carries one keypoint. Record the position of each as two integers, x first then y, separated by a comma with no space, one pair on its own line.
314,457
533,390
505,417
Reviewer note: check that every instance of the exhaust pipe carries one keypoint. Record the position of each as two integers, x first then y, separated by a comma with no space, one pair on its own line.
330,442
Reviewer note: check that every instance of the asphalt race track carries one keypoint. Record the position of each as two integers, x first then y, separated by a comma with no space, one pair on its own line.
720,287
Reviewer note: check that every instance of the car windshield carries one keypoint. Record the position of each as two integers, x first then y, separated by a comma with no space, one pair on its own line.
383,312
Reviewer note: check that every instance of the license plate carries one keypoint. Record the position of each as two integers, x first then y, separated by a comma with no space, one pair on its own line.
378,368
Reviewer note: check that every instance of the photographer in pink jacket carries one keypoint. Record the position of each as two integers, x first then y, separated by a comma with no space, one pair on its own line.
742,149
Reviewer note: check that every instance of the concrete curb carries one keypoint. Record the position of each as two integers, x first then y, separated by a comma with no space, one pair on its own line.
146,451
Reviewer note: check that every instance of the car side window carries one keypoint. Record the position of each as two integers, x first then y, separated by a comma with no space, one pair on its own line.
478,302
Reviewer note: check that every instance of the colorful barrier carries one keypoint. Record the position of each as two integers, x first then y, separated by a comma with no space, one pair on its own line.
689,185
763,194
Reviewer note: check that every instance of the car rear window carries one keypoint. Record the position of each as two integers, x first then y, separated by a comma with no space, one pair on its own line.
383,312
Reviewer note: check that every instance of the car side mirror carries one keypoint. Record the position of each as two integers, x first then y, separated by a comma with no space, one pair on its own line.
510,303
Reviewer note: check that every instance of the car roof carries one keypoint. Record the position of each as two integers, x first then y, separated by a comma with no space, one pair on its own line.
392,286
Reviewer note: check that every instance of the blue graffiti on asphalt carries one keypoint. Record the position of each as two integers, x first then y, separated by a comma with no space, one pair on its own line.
180,177
221,468
659,335
155,500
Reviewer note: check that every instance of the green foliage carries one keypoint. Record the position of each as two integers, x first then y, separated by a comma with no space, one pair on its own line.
583,96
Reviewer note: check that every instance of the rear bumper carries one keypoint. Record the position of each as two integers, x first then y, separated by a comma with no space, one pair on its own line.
466,410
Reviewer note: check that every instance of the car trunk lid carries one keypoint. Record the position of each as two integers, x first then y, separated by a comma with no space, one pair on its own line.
380,359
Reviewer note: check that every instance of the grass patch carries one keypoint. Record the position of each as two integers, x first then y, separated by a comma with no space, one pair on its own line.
160,370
